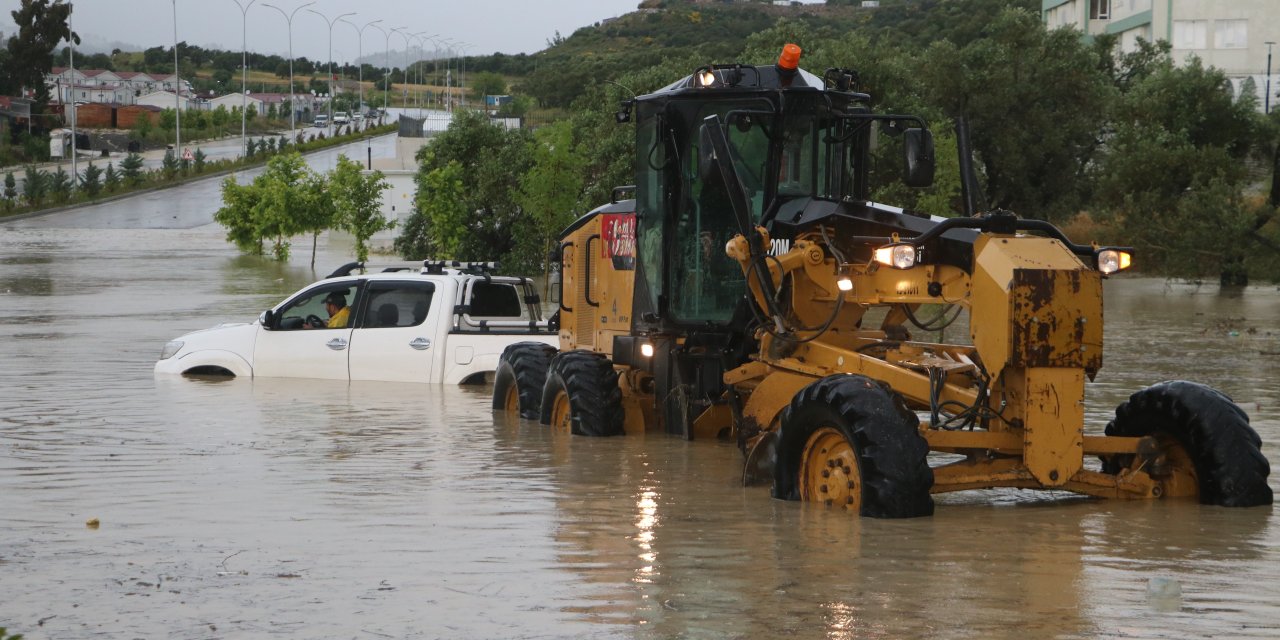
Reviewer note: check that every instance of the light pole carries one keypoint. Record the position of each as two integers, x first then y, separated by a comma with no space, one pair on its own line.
1266,99
177,89
448,74
71,38
385,76
390,78
288,18
360,54
421,38
244,72
462,82
330,23
404,33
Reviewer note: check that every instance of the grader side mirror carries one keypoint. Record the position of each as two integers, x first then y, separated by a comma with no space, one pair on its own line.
919,161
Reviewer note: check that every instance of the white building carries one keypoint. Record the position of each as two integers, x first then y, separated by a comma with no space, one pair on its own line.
101,85
1230,35
165,100
237,101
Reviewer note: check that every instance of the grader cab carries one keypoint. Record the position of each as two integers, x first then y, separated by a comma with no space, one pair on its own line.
751,291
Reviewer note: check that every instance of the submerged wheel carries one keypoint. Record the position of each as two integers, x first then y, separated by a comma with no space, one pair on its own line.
581,395
521,374
851,443
1207,448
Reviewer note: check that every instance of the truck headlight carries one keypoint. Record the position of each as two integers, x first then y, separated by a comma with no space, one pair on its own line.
898,256
1113,260
170,348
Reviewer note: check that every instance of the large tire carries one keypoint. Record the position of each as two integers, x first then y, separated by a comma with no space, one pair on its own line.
582,395
852,443
1198,426
522,372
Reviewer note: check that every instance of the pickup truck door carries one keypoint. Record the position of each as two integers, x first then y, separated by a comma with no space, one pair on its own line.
395,335
289,349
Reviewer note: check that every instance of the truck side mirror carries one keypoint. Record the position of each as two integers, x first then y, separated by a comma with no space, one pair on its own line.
266,319
706,153
554,283
919,162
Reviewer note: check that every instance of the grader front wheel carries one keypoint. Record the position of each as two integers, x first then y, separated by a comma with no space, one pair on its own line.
851,443
1205,446
518,381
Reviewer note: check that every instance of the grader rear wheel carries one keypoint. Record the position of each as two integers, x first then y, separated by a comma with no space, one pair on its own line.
829,471
850,442
521,374
582,395
1205,446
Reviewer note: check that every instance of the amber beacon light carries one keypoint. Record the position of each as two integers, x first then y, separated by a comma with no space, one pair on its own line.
790,57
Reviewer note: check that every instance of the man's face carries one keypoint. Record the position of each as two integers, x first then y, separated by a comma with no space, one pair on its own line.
330,307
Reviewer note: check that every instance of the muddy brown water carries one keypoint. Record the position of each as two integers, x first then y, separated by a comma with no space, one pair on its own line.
308,509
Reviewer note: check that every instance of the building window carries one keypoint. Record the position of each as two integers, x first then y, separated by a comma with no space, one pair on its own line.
1099,9
1190,34
1231,34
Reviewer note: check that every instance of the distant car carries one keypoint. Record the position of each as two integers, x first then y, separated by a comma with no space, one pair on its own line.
436,325
320,121
341,117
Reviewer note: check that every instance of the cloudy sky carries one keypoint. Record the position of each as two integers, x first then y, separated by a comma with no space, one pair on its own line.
509,26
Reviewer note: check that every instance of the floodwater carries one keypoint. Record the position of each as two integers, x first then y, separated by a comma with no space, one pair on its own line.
308,509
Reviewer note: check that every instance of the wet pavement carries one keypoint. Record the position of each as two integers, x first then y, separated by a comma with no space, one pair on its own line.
311,509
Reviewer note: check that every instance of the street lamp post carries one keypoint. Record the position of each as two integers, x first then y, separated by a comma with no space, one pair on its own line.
462,82
1266,99
331,23
288,18
71,38
244,73
360,54
404,33
390,77
421,38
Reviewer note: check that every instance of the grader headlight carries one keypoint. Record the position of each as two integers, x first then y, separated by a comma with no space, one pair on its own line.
898,256
1112,260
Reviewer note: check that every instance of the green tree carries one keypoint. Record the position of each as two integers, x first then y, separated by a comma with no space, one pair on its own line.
238,215
10,187
486,83
142,127
199,159
357,198
1033,100
1173,179
42,25
250,147
549,191
169,166
60,185
491,161
111,179
439,225
92,181
33,185
131,170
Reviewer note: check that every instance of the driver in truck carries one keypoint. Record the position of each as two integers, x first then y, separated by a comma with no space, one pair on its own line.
336,304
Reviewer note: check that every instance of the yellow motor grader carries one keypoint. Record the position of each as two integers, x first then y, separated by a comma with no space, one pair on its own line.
751,291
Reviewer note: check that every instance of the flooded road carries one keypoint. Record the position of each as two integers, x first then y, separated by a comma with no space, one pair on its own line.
309,509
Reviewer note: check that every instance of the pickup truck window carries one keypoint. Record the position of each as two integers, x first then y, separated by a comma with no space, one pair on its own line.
397,304
309,310
496,300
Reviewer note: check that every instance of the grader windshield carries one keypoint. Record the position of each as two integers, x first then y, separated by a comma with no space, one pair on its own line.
685,217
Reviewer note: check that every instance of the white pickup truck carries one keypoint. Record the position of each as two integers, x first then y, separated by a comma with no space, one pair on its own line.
443,323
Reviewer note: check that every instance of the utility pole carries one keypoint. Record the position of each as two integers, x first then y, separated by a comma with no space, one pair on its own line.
71,37
1266,99
360,54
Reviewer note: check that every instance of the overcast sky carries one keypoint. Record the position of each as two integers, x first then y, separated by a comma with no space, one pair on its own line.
509,26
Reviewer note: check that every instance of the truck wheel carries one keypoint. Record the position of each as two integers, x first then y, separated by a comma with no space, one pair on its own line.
582,396
1207,448
851,443
521,374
